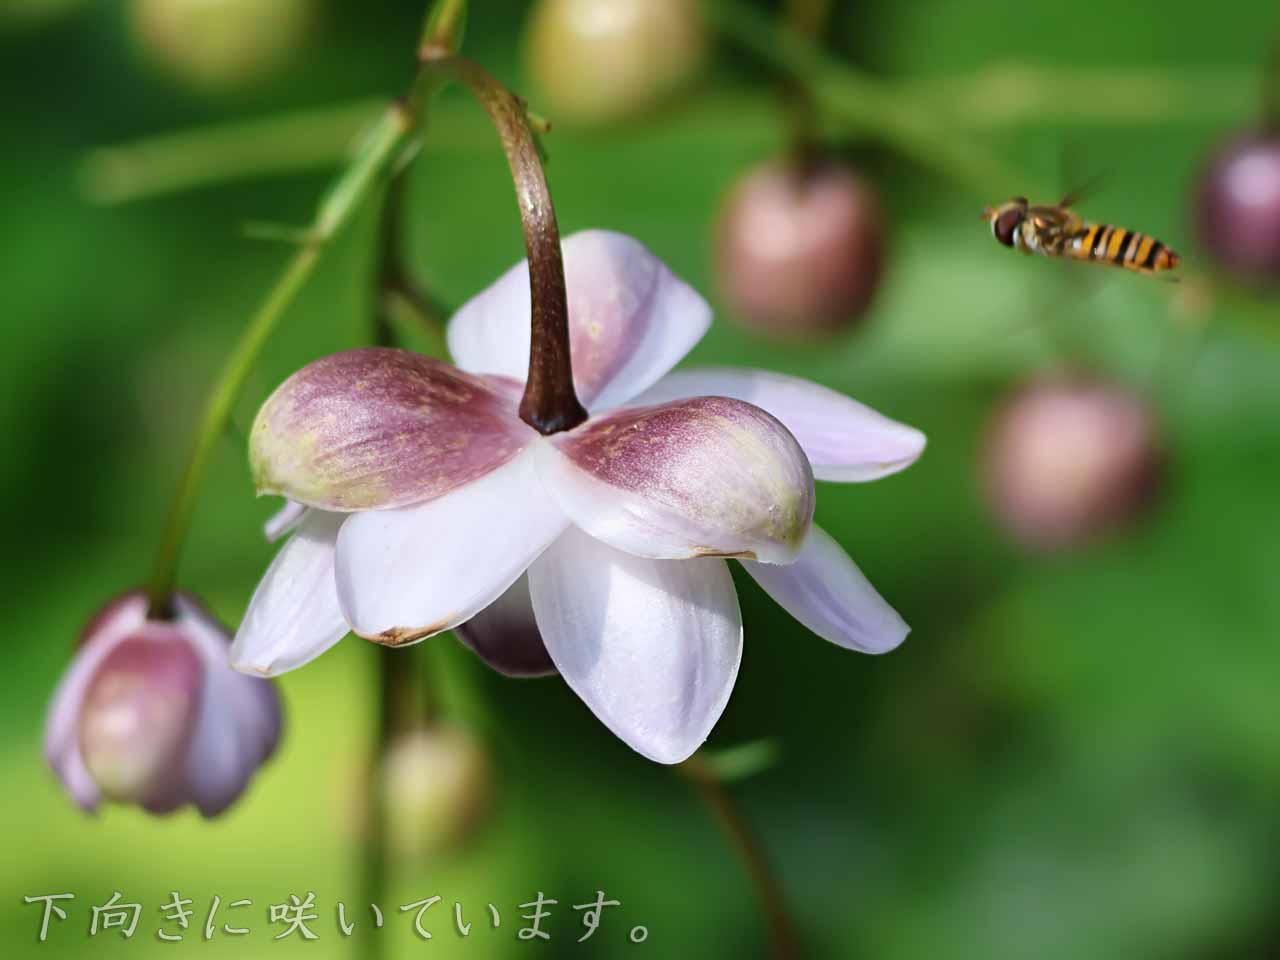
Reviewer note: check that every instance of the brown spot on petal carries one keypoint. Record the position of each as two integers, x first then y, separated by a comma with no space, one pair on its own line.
403,636
728,555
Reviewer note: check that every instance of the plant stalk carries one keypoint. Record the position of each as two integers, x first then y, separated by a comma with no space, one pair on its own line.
783,942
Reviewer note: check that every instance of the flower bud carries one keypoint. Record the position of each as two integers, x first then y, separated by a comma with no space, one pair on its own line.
149,712
603,60
1069,459
138,713
799,251
437,786
218,45
1238,206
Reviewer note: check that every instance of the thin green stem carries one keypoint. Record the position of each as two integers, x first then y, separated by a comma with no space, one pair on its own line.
443,28
376,153
400,302
861,102
784,944
185,159
213,421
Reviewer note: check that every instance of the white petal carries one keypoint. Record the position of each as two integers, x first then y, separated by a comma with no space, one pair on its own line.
505,635
844,440
239,721
825,590
294,614
285,520
651,646
112,624
630,320
404,575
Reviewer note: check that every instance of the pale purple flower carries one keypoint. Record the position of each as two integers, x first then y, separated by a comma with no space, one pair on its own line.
596,552
149,712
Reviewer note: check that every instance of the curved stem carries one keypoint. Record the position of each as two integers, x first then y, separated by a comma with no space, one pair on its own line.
863,102
782,936
374,157
400,301
376,154
1271,85
549,404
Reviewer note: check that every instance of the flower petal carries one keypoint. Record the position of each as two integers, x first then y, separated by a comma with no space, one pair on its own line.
380,428
844,440
708,476
239,723
404,575
651,646
138,715
285,520
294,615
112,624
825,590
630,319
505,635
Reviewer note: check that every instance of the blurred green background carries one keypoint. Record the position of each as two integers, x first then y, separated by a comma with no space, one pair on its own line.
1075,756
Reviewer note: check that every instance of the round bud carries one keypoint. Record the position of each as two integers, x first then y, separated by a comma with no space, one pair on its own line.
799,252
218,45
138,714
437,786
1067,460
601,60
1238,206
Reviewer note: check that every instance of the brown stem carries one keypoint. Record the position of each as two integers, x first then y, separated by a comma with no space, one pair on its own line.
401,705
549,404
782,935
1271,86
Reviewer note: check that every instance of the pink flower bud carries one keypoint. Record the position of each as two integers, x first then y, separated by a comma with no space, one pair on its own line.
1067,460
1238,206
799,252
149,712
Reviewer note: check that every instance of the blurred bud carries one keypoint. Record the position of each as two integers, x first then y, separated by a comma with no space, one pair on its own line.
1238,206
602,60
149,712
437,787
218,45
1070,459
799,251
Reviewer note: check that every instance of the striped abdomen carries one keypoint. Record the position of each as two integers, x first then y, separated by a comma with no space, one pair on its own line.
1121,247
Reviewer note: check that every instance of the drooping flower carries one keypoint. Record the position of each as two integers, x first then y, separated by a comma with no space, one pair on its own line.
598,551
150,713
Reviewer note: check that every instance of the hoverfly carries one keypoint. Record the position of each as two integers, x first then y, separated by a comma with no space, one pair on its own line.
1057,231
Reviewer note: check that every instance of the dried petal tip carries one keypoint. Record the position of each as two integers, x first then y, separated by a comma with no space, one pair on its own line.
378,428
708,476
150,713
